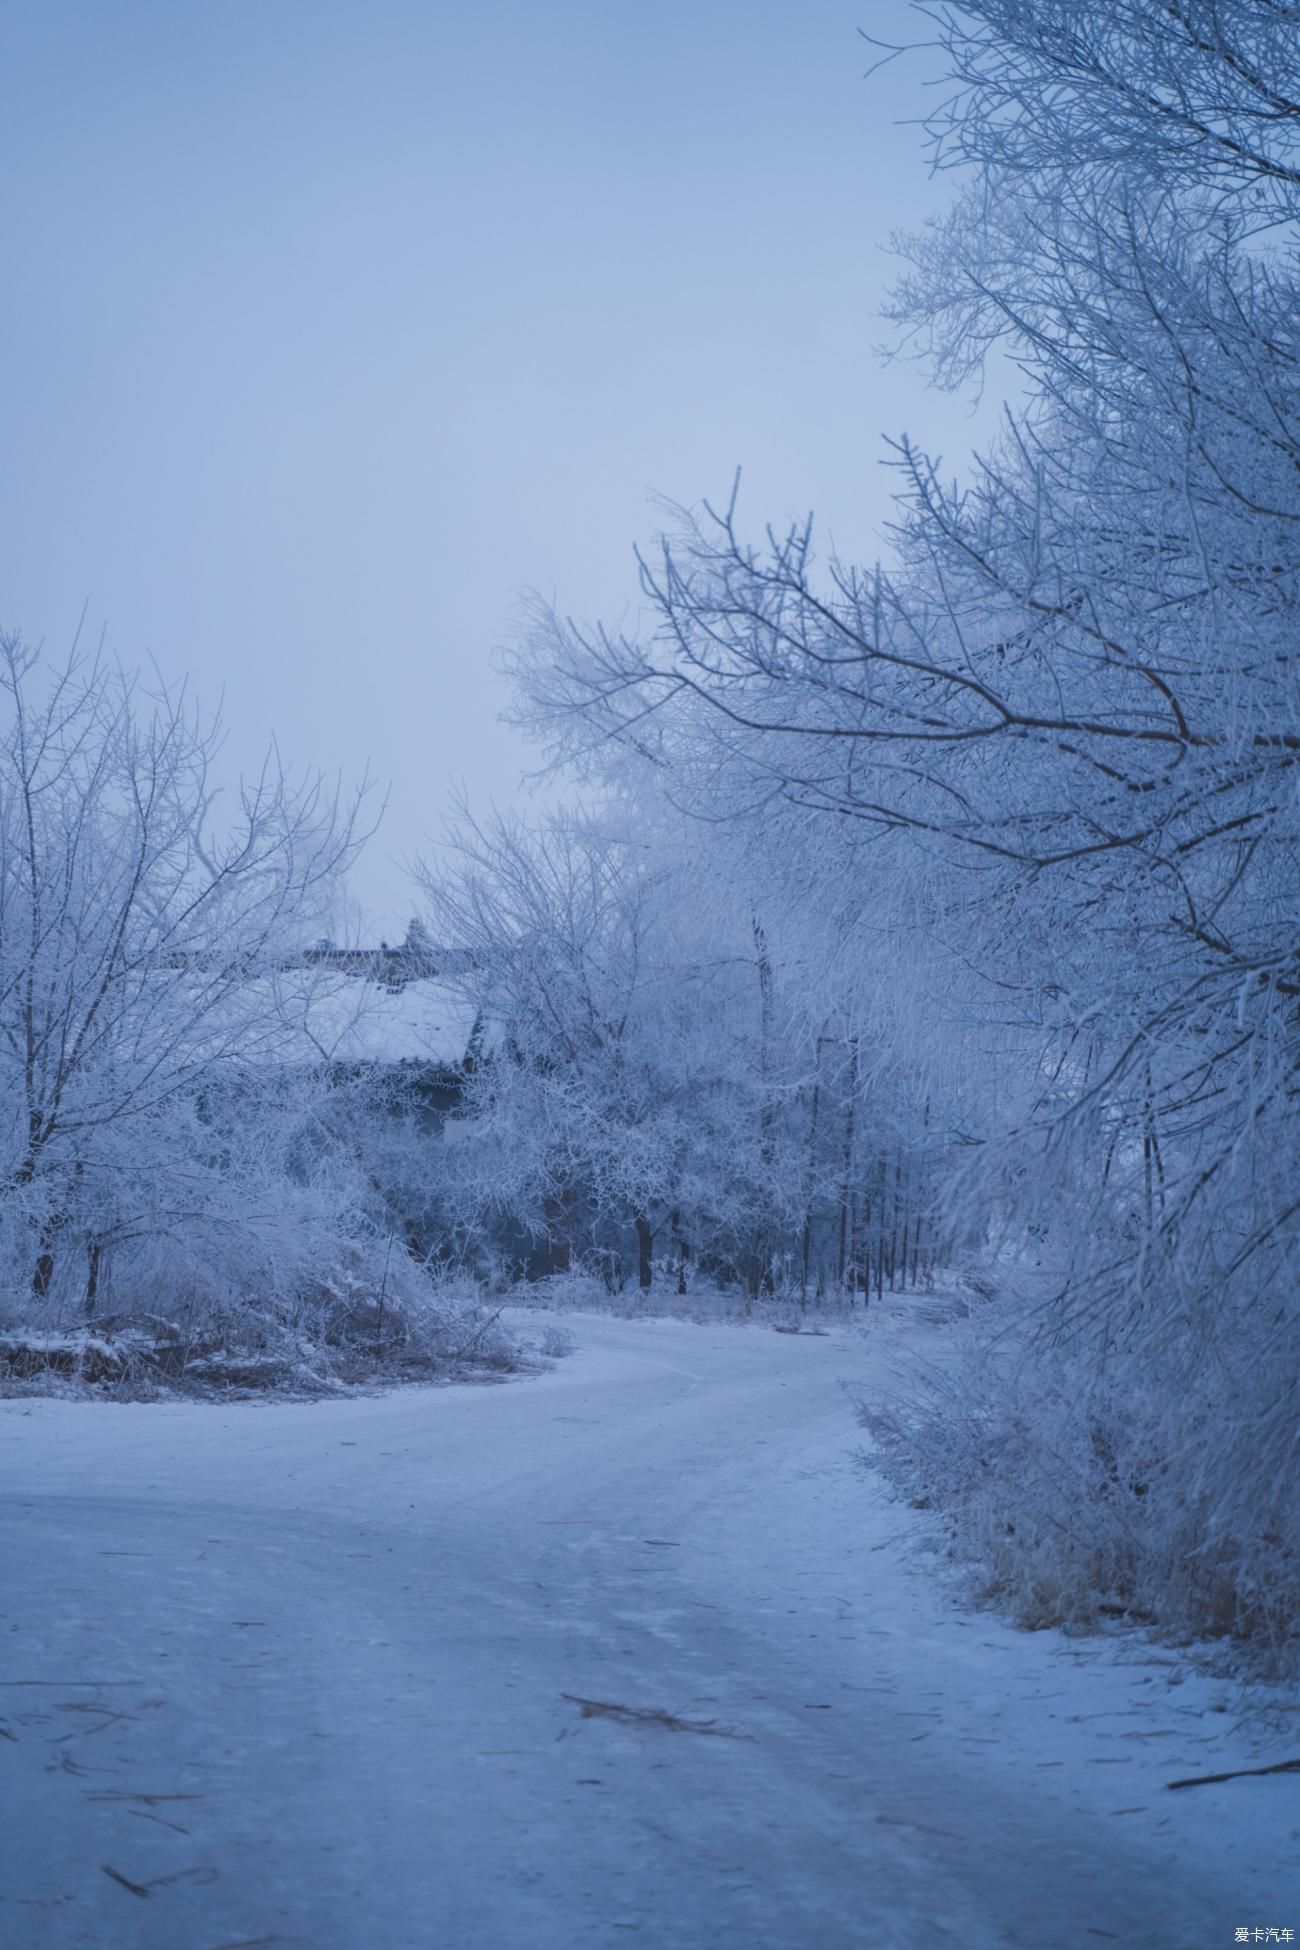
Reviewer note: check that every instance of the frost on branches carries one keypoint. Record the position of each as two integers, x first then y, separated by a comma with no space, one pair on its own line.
1056,744
669,1092
173,1206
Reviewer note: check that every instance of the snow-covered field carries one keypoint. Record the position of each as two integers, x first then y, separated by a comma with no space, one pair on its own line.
366,1675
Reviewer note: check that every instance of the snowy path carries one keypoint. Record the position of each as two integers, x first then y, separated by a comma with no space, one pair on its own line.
298,1672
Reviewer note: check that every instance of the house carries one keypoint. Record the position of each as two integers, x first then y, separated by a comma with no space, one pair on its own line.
382,1009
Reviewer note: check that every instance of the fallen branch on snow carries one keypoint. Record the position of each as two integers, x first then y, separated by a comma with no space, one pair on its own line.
1237,1774
650,1716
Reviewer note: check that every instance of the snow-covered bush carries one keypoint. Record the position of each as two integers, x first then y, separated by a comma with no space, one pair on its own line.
258,1255
1080,1482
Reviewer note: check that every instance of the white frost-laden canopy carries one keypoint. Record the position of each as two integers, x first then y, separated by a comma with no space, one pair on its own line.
1051,750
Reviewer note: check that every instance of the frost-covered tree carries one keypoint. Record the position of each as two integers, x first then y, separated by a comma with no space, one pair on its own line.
647,1077
165,1113
1071,700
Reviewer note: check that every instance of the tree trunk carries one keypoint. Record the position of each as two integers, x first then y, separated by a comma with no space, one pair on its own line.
94,1262
812,1174
561,1224
681,1252
846,1178
767,1103
644,1250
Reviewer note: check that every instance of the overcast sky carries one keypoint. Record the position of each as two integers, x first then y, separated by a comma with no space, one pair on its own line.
330,328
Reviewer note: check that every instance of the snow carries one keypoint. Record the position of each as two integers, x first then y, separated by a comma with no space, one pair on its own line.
347,1020
351,1640
57,1343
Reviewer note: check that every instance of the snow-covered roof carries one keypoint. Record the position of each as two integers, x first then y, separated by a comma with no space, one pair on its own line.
346,1020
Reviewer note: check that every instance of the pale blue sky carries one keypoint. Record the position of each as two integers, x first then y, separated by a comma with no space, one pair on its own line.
330,328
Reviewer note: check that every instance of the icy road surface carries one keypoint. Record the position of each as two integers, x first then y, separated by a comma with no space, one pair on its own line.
312,1674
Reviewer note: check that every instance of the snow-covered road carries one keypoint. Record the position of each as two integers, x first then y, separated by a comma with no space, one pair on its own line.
310,1674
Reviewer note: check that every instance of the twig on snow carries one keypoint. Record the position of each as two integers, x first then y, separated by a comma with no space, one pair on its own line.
136,1888
1237,1774
650,1716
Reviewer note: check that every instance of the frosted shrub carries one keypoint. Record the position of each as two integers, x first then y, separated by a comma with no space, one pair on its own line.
1078,1485
308,1310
